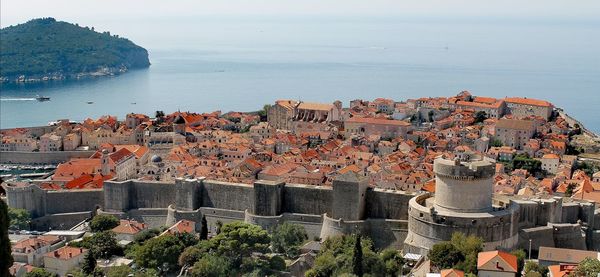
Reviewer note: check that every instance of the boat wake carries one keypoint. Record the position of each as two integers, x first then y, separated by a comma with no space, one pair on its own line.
17,99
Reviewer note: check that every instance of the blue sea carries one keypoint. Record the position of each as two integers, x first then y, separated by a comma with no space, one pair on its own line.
240,64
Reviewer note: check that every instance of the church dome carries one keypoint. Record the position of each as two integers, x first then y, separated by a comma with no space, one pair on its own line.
156,159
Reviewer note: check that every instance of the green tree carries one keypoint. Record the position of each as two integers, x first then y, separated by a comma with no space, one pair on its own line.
469,246
445,255
19,218
523,161
204,228
393,262
239,239
103,222
357,258
6,259
211,266
287,239
102,245
159,252
118,271
588,267
531,268
89,263
192,254
145,235
40,272
496,142
336,256
277,263
460,253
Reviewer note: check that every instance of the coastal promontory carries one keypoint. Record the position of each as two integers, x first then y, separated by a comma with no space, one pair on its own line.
47,49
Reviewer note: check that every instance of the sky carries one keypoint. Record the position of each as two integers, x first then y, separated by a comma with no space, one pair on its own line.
82,11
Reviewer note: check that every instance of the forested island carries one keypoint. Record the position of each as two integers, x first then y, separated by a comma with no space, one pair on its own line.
46,49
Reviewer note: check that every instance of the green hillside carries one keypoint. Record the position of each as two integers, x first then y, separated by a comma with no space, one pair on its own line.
46,47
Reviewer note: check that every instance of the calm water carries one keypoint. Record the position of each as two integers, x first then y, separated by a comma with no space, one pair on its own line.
242,64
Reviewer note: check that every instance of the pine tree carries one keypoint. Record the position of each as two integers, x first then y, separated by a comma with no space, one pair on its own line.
357,258
6,259
204,229
89,264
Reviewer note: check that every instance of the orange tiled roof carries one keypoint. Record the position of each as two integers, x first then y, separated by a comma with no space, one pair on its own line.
528,101
76,168
183,226
452,273
315,106
131,227
380,121
66,253
484,257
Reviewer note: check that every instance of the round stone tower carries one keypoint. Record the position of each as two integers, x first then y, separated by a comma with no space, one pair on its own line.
462,203
464,183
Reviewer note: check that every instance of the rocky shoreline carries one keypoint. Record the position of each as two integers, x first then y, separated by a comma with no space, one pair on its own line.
60,76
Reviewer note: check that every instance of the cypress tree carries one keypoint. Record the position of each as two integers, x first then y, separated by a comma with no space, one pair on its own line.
204,229
357,258
89,264
6,259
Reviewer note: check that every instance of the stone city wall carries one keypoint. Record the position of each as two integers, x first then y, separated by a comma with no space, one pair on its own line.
306,199
19,157
228,196
387,204
63,221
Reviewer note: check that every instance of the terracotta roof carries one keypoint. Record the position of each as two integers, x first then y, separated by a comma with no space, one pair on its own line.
494,105
380,121
451,273
34,243
138,150
515,124
131,227
561,270
484,257
482,99
528,101
66,252
75,168
315,106
183,226
550,156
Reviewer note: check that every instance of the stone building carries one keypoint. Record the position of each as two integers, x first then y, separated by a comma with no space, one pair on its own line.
462,203
514,132
20,143
280,114
385,128
50,142
525,107
550,163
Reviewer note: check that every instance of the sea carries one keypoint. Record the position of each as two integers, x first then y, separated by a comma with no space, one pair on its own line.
241,64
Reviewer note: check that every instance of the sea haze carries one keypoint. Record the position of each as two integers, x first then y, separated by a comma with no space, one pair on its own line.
228,63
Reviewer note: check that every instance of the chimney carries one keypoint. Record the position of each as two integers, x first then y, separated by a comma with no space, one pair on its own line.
56,254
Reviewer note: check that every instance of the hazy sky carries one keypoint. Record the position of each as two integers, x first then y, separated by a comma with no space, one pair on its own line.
17,11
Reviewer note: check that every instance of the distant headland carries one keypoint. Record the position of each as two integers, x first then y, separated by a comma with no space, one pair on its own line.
46,49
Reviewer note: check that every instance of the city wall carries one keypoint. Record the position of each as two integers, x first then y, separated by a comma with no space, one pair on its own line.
381,213
18,157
